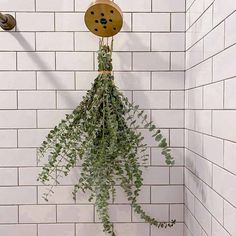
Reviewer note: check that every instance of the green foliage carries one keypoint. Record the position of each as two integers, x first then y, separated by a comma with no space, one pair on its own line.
104,133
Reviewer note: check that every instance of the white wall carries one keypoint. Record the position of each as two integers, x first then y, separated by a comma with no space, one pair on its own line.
46,66
210,175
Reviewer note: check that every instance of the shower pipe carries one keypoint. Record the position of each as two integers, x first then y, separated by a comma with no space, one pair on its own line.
7,22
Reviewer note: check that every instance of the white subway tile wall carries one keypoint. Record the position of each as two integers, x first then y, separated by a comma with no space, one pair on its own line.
210,174
46,65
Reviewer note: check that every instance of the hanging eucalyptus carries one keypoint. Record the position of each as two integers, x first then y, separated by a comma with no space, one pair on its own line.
104,133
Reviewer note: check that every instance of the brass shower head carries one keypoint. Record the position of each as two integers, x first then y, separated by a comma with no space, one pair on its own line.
104,18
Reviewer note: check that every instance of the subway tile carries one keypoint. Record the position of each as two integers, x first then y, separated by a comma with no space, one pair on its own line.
214,41
168,118
210,200
220,177
85,41
7,61
178,22
42,21
190,160
167,194
229,96
230,32
17,195
55,80
196,9
178,61
195,98
8,138
132,80
133,6
229,156
69,99
203,121
56,229
177,137
89,229
224,119
28,176
37,214
177,212
74,61
190,119
199,75
138,42
194,55
70,22
17,41
17,157
55,5
153,22
24,5
169,5
189,200
31,137
152,99
36,100
222,10
218,229
54,41
195,141
229,216
50,118
137,229
213,96
156,61
17,119
17,80
71,213
36,61
168,41
8,100
177,175
155,175
192,224
131,229
177,230
19,230
203,217
84,80
8,176
8,214
122,61
200,28
177,100
213,149
168,80
204,170
226,58
61,195
194,184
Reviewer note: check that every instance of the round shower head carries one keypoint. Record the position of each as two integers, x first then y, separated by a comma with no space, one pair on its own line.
104,18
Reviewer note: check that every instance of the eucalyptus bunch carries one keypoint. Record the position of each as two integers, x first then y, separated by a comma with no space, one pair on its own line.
103,133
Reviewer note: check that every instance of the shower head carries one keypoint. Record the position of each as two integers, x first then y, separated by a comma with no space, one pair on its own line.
104,18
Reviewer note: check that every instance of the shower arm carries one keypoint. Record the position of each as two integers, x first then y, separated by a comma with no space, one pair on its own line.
7,22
